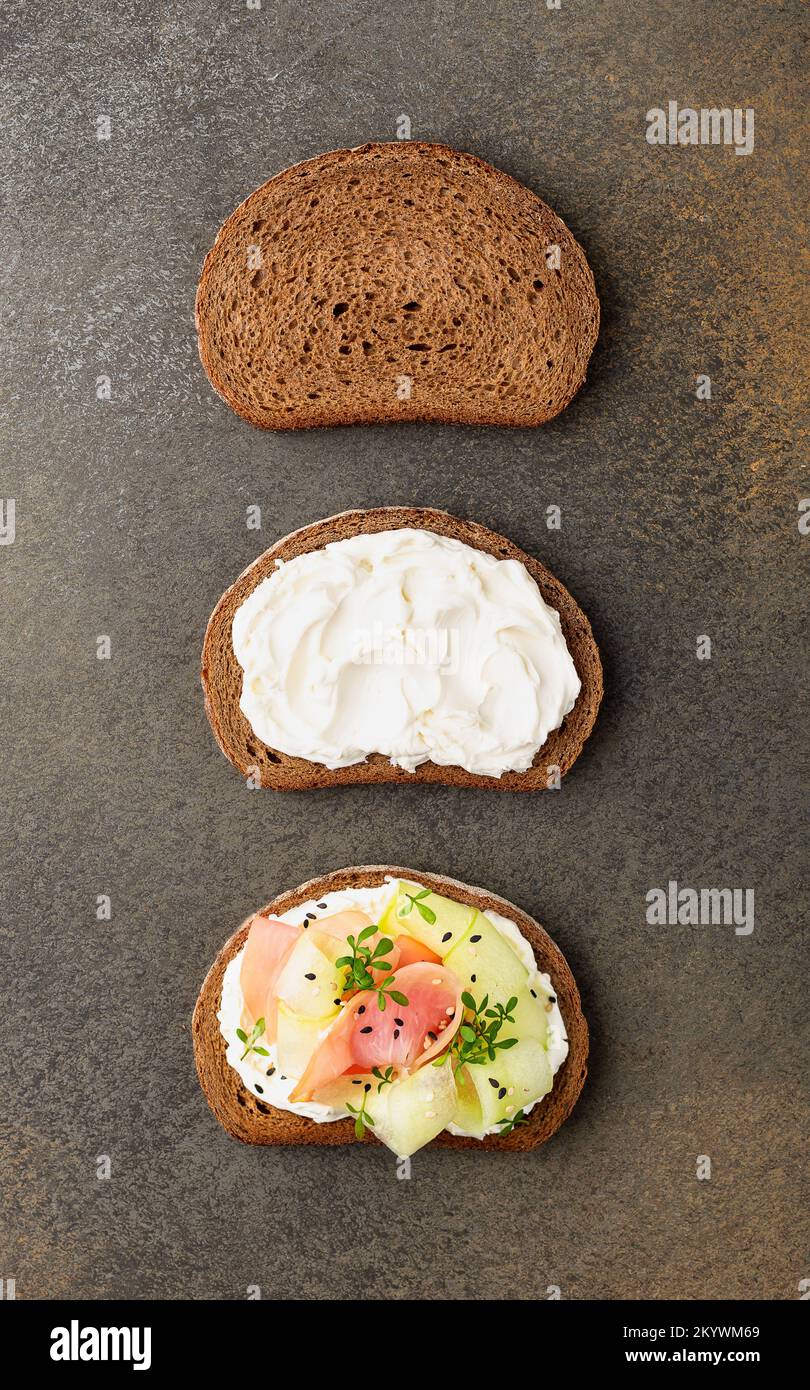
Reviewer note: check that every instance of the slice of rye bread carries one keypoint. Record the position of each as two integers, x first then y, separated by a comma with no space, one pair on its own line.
402,281
247,1118
222,674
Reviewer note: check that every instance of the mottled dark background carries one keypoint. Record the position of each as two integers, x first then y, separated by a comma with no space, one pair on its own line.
679,519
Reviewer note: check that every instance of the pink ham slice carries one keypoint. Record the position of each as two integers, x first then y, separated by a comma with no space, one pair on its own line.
350,922
403,1035
269,945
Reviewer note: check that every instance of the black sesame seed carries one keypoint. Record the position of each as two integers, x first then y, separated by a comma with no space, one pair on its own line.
367,1086
552,999
358,1082
473,979
310,975
282,1078
533,993
400,1022
447,936
476,938
502,1093
310,917
368,1029
494,1083
259,1089
431,1035
337,1001
362,1009
396,1032
270,1071
322,906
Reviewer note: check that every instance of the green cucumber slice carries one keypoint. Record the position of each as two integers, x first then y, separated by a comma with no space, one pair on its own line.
296,1040
412,1111
531,1019
436,921
486,964
310,983
493,1091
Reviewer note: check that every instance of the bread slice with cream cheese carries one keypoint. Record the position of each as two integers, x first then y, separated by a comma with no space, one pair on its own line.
268,766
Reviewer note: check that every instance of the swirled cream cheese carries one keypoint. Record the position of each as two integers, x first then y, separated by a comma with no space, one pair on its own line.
261,1075
405,643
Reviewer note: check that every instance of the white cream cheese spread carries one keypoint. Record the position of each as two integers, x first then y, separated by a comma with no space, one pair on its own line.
405,643
261,1075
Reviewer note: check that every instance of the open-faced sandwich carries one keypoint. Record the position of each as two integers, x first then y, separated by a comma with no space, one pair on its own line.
400,644
384,1003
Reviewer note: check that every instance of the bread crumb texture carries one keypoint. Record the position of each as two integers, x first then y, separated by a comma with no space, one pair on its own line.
393,282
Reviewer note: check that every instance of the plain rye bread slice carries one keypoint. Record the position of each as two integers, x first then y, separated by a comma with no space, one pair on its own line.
247,1118
222,674
405,281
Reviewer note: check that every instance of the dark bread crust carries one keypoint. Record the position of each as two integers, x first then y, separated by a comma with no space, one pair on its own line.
249,1119
448,286
222,675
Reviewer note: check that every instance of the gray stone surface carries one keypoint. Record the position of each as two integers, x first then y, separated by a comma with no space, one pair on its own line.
680,519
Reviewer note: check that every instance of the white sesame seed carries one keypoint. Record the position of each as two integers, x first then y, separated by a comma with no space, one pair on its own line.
549,1008
509,1109
430,1114
450,1010
435,982
511,1091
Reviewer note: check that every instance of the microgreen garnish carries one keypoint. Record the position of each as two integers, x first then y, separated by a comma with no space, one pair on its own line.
426,913
362,1117
510,1122
384,1078
477,1039
384,992
250,1042
362,961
